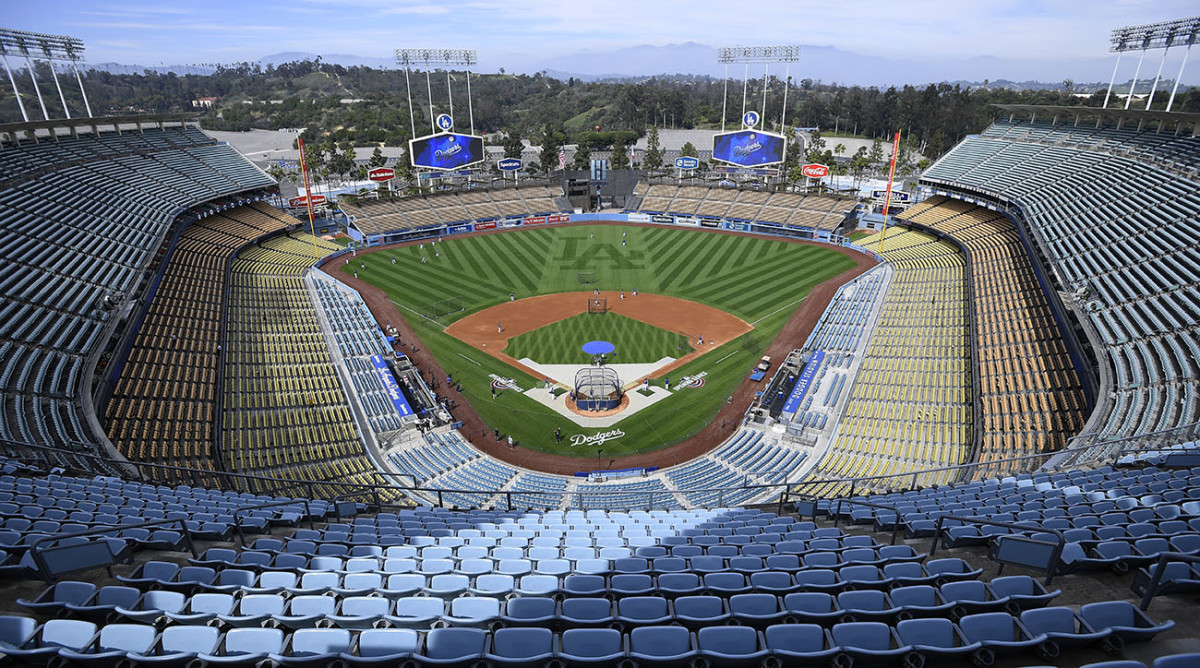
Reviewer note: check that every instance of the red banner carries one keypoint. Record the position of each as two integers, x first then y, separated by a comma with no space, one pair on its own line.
815,171
558,218
486,226
535,220
381,174
317,200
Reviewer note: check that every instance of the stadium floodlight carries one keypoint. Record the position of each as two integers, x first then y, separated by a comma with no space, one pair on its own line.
51,48
427,58
1162,35
787,53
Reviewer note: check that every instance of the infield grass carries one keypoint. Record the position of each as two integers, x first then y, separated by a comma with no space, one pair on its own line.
760,281
635,341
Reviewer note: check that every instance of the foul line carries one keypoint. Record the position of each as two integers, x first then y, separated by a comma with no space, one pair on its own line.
417,313
469,359
725,358
781,308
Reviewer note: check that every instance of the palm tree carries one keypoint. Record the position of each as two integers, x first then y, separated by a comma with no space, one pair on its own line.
837,165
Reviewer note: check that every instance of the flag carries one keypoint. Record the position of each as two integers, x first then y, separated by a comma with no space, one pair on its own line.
562,158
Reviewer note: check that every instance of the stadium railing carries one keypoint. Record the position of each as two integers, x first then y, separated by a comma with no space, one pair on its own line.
789,492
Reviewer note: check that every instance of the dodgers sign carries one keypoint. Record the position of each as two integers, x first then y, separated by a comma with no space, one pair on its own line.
687,162
750,119
444,122
749,148
389,383
445,151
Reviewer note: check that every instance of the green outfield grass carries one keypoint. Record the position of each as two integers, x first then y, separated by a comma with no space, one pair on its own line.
760,281
855,236
635,341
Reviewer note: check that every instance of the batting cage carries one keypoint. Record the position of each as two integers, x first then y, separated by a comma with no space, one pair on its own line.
597,388
445,307
598,305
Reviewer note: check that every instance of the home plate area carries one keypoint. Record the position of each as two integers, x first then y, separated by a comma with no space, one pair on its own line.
630,374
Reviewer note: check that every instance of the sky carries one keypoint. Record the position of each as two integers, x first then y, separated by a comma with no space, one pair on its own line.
512,33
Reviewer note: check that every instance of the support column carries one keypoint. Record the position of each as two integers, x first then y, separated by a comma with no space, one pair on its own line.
33,76
1112,81
1154,86
63,98
86,105
1133,84
1174,88
16,93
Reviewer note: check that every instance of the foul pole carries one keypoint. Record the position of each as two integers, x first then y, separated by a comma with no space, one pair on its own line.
887,201
312,226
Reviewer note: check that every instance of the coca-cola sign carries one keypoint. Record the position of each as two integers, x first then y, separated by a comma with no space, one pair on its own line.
814,171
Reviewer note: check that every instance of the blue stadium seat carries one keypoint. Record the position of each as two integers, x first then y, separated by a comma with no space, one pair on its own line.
635,611
360,612
112,645
473,611
245,647
306,611
756,610
1123,619
457,647
592,647
812,608
380,647
999,633
662,646
935,638
869,643
203,608
1063,629
731,646
529,611
254,609
179,646
800,644
520,647
310,648
695,612
416,612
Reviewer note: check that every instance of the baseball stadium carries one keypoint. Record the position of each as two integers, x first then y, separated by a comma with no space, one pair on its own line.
689,417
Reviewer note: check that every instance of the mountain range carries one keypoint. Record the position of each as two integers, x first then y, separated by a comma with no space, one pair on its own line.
824,63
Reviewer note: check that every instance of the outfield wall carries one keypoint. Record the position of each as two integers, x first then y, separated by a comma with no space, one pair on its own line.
807,234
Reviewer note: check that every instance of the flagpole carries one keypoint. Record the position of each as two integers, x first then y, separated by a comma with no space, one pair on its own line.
887,202
312,226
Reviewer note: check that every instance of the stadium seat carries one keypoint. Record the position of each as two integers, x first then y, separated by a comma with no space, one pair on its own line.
592,647
458,647
731,646
245,648
520,647
310,648
662,646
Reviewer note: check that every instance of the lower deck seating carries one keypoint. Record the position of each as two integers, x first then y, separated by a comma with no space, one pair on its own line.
1031,395
285,412
162,408
909,409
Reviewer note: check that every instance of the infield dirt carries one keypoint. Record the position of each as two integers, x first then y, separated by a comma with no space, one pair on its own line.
792,336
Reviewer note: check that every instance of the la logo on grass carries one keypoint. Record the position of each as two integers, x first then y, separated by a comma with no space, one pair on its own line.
599,252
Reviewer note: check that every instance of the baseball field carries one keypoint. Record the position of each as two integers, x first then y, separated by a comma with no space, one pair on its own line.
760,281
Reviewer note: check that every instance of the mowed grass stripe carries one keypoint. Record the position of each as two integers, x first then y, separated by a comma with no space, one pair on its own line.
561,342
517,268
702,261
759,299
678,251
